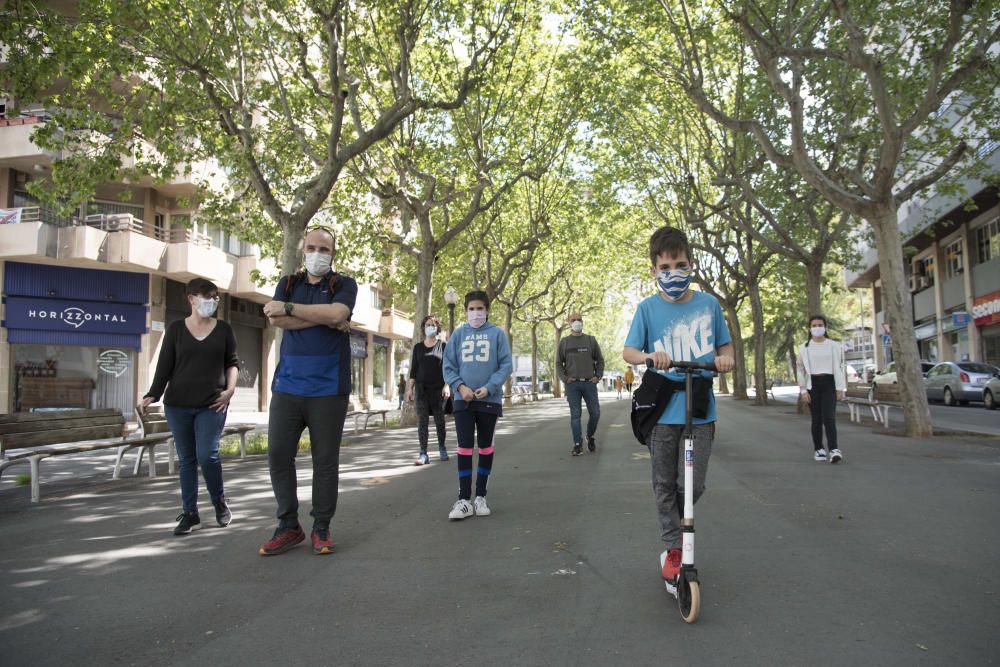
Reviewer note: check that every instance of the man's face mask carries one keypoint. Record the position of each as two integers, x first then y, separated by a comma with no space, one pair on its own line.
576,326
318,264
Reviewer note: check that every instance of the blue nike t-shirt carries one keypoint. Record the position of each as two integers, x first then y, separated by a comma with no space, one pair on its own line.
689,331
315,361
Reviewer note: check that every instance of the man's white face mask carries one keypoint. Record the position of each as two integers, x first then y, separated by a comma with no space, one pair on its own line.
318,264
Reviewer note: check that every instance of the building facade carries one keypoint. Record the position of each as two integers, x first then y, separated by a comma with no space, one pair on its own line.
953,273
87,297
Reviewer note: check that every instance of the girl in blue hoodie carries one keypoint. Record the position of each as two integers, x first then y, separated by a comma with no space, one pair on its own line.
477,363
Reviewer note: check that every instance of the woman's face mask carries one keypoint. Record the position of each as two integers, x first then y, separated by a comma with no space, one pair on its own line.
674,284
205,307
818,331
430,331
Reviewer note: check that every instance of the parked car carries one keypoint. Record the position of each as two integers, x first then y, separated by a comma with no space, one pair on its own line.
888,374
991,394
960,382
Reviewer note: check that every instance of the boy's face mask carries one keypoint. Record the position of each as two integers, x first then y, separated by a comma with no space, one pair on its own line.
674,284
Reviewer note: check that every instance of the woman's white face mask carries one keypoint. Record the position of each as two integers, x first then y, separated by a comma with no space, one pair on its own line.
205,307
818,332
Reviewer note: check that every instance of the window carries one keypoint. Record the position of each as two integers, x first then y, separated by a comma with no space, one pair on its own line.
953,259
376,298
924,268
988,241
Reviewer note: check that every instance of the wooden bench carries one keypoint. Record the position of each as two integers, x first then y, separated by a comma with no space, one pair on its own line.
33,436
360,409
878,400
154,423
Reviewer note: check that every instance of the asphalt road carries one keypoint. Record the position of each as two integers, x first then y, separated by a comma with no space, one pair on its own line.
887,559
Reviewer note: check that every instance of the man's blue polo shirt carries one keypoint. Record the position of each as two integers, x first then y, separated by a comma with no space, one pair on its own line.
315,361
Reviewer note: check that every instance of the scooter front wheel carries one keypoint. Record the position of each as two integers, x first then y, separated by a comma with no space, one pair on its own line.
688,599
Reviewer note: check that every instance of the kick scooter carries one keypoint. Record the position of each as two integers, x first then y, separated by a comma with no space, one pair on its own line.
686,589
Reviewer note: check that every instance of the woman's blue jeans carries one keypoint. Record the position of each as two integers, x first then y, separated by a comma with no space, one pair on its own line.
196,436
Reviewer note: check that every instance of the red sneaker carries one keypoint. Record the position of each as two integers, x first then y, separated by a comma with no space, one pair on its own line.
671,564
283,540
322,542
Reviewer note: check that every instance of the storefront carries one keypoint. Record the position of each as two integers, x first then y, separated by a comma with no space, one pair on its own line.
73,334
927,342
380,367
956,335
986,316
359,352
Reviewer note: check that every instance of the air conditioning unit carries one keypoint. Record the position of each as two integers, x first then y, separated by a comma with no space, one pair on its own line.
913,283
923,281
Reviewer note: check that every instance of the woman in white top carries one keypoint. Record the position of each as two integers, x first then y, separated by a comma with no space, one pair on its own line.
822,382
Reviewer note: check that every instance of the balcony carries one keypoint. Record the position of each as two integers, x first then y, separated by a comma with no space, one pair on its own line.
396,325
245,288
17,150
186,260
129,241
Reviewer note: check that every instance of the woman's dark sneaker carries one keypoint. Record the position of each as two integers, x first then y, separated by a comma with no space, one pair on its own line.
283,540
577,449
322,542
443,453
591,443
187,522
222,514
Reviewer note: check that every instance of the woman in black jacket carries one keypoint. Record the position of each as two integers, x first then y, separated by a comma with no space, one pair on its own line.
198,368
427,379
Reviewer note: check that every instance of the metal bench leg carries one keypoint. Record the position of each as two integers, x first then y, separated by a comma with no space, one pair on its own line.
885,415
152,459
36,490
171,456
118,461
243,444
138,460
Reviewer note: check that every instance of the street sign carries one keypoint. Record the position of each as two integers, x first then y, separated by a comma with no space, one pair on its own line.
885,339
960,318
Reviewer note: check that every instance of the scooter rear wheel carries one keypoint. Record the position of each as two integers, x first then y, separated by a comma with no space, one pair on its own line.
688,599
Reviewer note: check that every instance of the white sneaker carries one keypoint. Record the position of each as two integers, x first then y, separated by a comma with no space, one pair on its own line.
461,510
482,509
820,455
835,456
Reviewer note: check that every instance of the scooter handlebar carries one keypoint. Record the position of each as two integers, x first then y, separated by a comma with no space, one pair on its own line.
694,365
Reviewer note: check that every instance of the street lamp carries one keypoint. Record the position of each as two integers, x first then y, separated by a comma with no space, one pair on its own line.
451,298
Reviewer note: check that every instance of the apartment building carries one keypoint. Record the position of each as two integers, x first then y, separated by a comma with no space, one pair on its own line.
953,272
87,297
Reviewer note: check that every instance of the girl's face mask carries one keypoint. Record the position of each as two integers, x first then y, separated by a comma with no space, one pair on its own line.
477,317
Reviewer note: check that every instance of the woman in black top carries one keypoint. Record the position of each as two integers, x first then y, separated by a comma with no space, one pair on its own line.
198,367
431,391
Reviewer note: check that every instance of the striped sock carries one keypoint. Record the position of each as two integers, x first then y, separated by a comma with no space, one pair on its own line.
464,455
483,469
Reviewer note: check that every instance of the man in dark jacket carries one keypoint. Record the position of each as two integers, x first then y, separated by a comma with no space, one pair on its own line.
580,367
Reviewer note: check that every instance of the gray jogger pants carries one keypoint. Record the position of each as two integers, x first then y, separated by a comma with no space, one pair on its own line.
667,453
